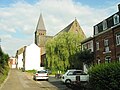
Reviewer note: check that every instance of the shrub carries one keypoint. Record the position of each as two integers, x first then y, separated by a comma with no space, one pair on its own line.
3,73
105,76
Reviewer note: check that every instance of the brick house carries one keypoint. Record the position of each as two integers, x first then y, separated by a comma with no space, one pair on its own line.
88,44
107,39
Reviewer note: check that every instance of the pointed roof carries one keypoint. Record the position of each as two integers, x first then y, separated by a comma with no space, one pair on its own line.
68,28
40,25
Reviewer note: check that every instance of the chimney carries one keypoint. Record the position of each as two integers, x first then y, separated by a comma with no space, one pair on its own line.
119,7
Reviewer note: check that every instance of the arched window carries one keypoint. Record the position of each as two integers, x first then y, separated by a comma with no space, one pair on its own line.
116,19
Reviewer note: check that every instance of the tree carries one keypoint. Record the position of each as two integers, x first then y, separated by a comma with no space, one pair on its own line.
3,58
61,49
86,56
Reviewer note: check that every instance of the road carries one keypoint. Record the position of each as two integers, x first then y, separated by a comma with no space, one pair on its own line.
18,80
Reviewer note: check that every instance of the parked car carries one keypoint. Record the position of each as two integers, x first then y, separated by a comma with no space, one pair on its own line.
48,71
71,75
41,75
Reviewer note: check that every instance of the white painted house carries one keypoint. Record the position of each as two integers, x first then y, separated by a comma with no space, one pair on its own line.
28,57
20,58
32,57
12,62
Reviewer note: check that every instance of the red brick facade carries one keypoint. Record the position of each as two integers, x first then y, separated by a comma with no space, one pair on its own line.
101,54
107,39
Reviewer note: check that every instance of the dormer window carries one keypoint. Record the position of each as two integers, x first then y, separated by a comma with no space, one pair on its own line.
116,19
96,29
104,25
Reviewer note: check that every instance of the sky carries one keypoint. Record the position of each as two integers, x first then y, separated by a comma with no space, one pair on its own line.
18,18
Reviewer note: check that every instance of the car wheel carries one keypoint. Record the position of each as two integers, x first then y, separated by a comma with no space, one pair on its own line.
68,81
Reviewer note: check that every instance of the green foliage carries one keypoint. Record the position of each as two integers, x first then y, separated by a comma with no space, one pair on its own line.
105,76
3,58
3,73
86,56
31,71
60,51
3,65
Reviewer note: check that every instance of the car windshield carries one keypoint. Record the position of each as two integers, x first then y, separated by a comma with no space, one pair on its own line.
41,71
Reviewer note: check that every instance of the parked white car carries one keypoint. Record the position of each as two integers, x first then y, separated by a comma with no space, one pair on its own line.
71,75
41,75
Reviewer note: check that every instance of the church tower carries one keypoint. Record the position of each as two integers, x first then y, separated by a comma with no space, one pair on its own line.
40,34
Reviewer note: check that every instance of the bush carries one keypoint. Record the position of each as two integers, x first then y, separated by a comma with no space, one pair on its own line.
105,76
3,74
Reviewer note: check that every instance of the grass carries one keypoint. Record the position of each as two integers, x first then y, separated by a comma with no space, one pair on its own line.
3,74
31,71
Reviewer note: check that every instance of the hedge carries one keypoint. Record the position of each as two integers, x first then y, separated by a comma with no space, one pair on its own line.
105,76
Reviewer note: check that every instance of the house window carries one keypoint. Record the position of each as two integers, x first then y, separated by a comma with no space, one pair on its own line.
107,59
104,24
118,58
84,46
96,29
106,43
116,19
118,39
107,50
97,45
98,60
76,31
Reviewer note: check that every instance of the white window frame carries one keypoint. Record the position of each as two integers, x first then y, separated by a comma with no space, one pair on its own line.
107,49
96,29
116,19
119,58
99,61
106,42
118,39
107,59
104,25
97,46
85,46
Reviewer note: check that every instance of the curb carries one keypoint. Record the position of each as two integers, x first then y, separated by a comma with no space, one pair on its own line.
5,80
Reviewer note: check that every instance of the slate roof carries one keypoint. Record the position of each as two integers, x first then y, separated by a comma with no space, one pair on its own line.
20,51
66,29
40,25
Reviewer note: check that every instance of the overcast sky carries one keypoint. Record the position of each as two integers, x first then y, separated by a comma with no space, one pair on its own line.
18,18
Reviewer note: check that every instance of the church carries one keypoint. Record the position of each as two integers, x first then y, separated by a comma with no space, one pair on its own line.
41,37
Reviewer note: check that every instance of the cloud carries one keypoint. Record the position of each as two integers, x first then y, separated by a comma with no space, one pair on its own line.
21,19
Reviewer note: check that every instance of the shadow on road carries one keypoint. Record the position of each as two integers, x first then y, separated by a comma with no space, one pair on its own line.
58,83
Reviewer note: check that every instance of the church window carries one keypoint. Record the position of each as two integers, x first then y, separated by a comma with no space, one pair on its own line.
76,24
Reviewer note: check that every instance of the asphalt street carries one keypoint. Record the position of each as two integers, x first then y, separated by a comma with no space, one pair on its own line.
18,80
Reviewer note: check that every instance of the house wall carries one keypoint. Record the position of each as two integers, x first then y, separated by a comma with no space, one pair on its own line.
117,47
32,57
12,62
101,54
88,45
20,61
